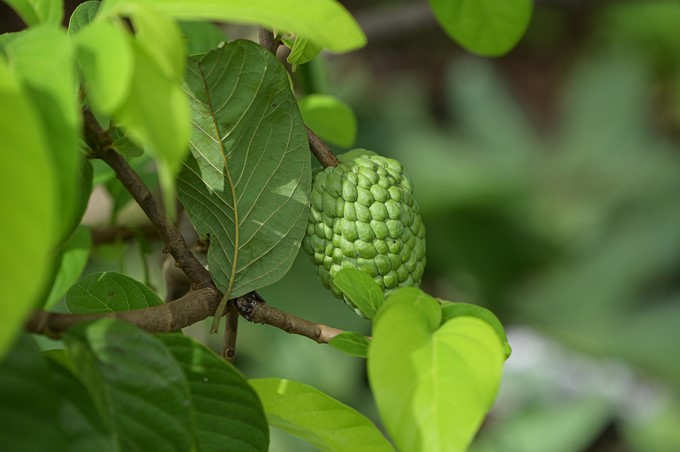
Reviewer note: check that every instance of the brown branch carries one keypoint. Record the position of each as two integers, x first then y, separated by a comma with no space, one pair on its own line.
191,308
266,38
99,141
253,308
321,151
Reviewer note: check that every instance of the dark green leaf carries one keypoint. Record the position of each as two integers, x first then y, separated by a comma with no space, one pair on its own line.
316,417
137,386
35,12
487,27
330,118
354,344
201,36
227,412
73,257
433,383
360,289
29,411
29,178
78,417
109,292
246,183
451,310
325,22
83,15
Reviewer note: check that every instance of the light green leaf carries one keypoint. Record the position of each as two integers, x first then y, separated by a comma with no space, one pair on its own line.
201,36
360,289
73,257
451,310
433,384
45,49
83,15
325,22
29,185
487,27
303,51
109,292
316,417
105,56
35,12
125,147
330,118
227,412
137,386
161,38
156,116
30,406
246,183
354,344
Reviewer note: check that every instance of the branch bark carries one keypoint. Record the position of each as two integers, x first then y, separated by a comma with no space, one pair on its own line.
320,150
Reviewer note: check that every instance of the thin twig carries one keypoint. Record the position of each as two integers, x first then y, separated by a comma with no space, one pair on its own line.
230,331
321,151
173,240
253,308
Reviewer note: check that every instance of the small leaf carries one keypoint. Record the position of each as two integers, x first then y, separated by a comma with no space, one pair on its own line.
83,15
227,412
29,180
326,22
109,292
330,118
106,59
360,289
353,344
72,259
246,183
303,51
136,384
202,37
316,417
433,382
451,310
487,27
35,12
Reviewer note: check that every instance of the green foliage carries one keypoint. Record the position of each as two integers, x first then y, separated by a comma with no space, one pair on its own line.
245,186
73,257
109,292
302,50
487,27
323,421
360,290
35,12
433,382
353,344
330,118
201,36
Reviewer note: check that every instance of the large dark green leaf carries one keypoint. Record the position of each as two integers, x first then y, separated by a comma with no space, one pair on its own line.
228,413
109,292
136,384
306,412
246,183
29,410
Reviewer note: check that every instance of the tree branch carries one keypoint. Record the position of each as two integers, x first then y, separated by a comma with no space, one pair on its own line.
99,141
320,150
266,38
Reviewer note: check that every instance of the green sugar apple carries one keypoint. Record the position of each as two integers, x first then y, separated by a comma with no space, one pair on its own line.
363,216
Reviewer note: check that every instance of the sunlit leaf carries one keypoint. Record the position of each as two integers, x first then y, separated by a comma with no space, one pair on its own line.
451,310
354,344
302,51
487,27
360,289
73,257
246,183
330,118
325,22
316,417
201,36
38,11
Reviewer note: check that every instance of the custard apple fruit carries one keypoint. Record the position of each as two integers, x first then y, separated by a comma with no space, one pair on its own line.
364,216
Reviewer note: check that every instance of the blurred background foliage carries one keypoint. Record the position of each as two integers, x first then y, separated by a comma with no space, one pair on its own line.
549,180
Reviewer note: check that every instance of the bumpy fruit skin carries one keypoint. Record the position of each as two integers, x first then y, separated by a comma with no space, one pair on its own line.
364,216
